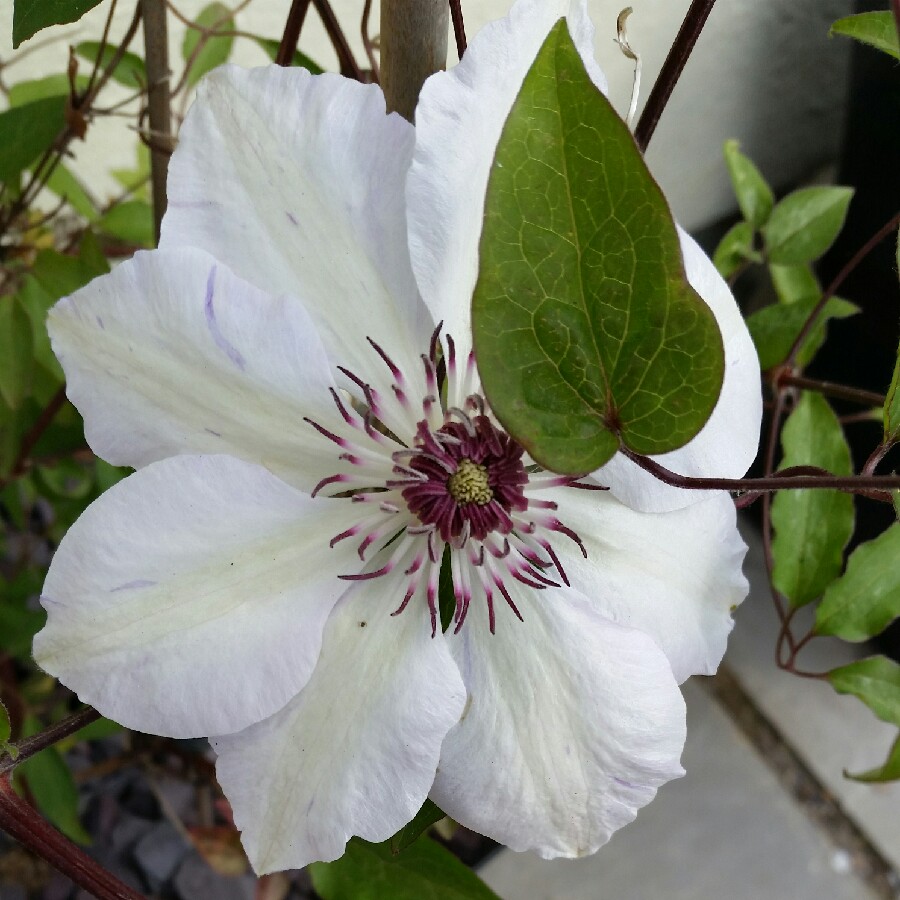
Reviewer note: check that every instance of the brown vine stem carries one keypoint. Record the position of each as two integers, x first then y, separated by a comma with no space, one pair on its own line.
30,746
830,389
888,228
52,156
779,481
24,824
290,38
33,435
895,8
459,26
347,62
680,52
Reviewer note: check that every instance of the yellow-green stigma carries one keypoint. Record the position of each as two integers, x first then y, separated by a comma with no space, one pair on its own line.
469,483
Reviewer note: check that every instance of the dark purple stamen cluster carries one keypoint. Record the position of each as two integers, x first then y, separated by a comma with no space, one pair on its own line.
438,456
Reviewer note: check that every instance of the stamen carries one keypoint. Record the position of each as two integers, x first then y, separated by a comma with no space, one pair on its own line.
451,482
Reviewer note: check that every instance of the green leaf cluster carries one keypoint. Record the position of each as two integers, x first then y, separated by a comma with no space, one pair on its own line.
787,237
587,334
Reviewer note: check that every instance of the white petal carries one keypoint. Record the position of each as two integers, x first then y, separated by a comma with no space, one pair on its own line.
355,753
190,598
458,122
675,576
171,353
571,725
727,443
297,183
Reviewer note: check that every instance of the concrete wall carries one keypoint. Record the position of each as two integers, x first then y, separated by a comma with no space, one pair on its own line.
764,72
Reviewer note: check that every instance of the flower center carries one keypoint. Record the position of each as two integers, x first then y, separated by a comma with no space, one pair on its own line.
437,482
469,477
469,484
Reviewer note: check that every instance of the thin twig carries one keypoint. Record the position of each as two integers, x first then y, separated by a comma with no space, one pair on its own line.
830,389
290,39
47,738
459,27
103,41
346,60
52,156
886,229
675,62
778,481
368,43
33,435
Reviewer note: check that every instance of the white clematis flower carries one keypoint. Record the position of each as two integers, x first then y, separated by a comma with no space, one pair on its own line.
269,574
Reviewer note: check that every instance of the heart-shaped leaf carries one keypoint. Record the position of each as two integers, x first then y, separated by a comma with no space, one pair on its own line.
586,332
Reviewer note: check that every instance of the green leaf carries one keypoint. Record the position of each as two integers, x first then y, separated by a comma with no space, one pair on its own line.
794,283
129,71
23,92
876,681
5,727
37,302
18,622
298,59
60,274
805,223
130,221
877,29
424,871
421,822
27,131
812,527
31,16
108,475
586,332
137,179
53,788
890,771
892,406
66,186
735,249
67,478
16,352
216,50
754,196
775,328
866,598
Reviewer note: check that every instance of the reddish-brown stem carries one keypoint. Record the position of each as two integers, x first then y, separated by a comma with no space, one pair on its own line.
830,389
895,9
778,481
877,455
346,60
886,229
49,736
24,824
292,28
693,23
459,26
367,39
34,433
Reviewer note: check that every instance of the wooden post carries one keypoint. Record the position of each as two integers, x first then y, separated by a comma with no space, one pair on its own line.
159,110
413,46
